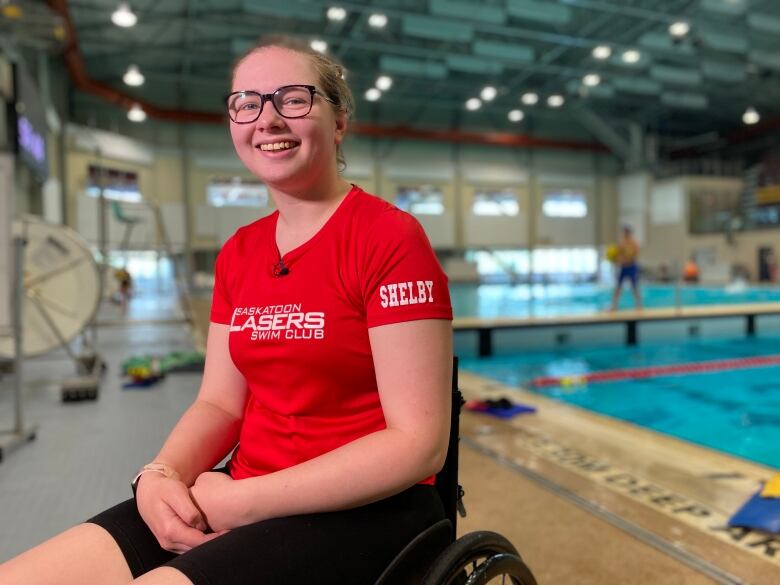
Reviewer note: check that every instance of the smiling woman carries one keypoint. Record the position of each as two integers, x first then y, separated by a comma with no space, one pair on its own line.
303,129
327,375
295,100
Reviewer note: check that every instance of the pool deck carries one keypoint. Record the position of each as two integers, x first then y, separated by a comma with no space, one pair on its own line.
672,495
630,318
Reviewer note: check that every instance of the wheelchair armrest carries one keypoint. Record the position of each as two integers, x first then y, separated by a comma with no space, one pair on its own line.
413,562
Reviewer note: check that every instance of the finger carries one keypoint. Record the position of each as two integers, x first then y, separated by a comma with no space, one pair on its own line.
184,537
204,524
179,548
183,506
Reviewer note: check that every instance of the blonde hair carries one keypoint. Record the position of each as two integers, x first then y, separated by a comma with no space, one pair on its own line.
330,72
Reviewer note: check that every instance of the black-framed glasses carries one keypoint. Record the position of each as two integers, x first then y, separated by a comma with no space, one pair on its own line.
291,101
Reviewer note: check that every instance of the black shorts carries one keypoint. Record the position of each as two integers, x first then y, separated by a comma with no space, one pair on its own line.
350,547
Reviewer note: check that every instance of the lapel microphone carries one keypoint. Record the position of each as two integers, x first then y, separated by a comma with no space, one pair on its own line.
280,269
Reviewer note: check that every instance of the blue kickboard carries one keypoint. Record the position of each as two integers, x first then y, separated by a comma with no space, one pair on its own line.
141,384
509,412
760,513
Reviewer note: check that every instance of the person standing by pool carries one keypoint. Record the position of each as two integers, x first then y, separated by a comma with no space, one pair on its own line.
626,260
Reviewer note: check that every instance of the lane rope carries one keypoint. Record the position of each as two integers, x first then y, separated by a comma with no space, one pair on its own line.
656,371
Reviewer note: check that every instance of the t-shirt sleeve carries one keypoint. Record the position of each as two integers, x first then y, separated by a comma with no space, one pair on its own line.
403,280
221,305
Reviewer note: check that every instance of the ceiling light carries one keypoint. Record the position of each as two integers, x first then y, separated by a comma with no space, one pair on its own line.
473,104
488,93
384,82
136,114
319,45
591,79
602,52
529,98
336,13
123,16
750,116
377,20
133,76
555,101
515,115
631,56
679,29
373,94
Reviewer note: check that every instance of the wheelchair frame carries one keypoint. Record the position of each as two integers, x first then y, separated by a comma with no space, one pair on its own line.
436,557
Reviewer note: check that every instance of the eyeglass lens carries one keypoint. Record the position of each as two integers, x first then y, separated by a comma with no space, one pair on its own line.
291,102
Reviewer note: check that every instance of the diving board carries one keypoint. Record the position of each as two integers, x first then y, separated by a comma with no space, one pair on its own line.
485,327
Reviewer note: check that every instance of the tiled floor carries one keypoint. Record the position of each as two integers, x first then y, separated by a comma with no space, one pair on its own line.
85,452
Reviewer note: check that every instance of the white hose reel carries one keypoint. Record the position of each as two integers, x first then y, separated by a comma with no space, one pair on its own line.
61,287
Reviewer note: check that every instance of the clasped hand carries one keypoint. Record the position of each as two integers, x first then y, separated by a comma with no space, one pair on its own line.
179,518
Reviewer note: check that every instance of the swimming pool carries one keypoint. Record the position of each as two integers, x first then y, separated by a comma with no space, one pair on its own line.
737,411
523,300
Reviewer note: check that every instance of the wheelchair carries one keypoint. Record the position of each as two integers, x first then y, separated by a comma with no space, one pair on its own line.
435,557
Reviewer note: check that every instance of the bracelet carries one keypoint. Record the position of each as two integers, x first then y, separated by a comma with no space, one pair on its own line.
158,467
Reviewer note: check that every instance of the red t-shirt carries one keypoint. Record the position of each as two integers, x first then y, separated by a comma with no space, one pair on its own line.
301,339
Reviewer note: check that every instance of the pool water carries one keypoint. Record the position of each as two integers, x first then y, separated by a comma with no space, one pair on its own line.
523,300
734,411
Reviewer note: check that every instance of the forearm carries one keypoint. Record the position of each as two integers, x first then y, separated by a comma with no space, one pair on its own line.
371,468
203,436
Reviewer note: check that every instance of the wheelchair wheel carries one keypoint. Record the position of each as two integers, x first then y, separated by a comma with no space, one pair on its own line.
479,558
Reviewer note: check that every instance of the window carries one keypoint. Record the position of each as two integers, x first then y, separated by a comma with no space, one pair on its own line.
495,202
714,211
420,199
565,261
554,264
492,263
152,273
236,192
118,185
565,204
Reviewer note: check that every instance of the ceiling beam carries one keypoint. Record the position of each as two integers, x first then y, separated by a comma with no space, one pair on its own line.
603,132
505,139
624,9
